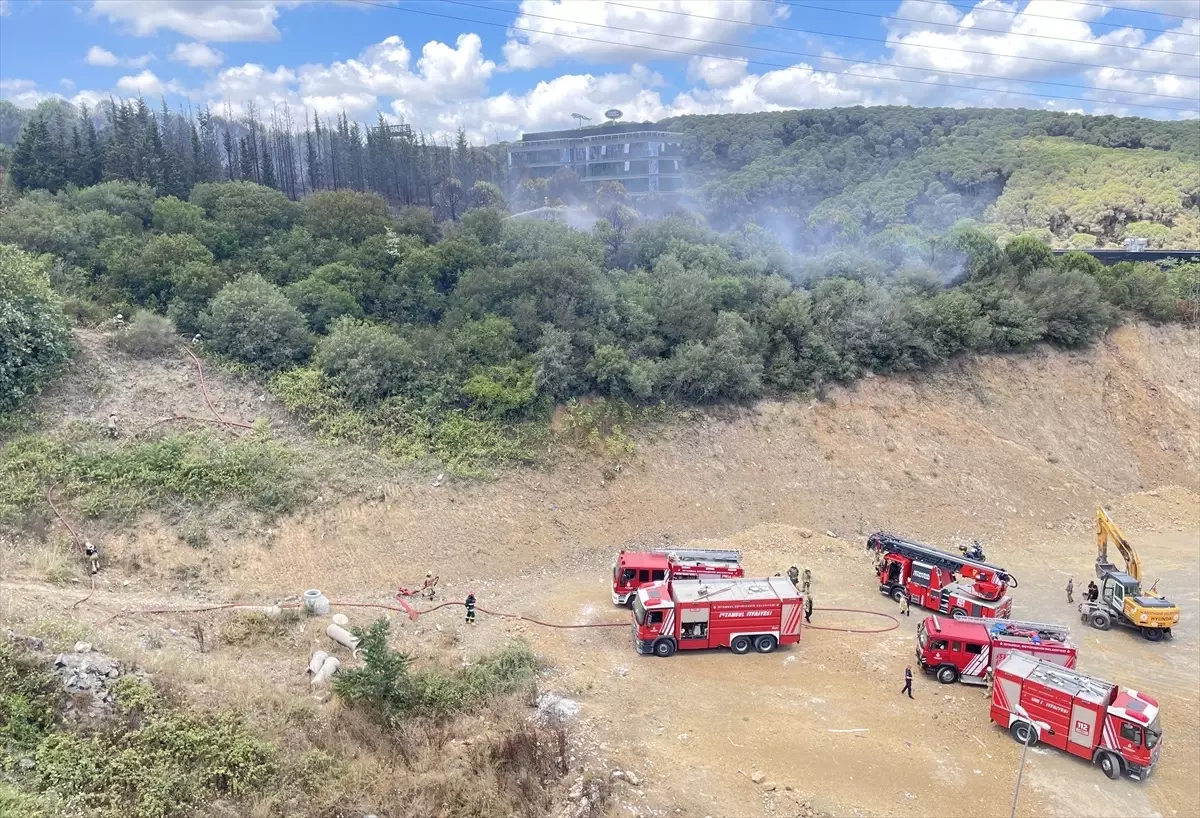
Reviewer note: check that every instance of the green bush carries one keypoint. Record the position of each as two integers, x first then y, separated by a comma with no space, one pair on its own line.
35,339
364,362
345,215
252,321
147,335
119,478
322,303
387,687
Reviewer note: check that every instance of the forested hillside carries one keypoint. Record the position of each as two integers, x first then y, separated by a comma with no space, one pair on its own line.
457,340
845,173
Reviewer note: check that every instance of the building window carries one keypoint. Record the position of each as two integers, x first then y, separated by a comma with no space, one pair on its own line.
627,164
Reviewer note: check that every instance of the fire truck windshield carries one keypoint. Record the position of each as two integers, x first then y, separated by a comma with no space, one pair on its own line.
639,610
1153,734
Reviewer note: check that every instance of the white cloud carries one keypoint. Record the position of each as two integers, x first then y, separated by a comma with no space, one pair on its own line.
147,83
22,93
5,8
105,58
204,20
444,75
547,37
197,55
67,84
101,56
241,85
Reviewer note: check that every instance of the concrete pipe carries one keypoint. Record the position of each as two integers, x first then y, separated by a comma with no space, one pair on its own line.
343,637
341,619
315,602
318,659
330,666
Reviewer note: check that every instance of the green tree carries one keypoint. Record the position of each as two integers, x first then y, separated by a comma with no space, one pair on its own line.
365,362
252,321
322,302
38,160
345,215
35,337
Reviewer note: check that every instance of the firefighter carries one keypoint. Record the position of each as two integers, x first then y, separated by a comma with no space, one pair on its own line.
989,680
794,575
470,605
907,681
93,555
427,586
1070,590
807,580
808,609
112,425
1093,593
904,605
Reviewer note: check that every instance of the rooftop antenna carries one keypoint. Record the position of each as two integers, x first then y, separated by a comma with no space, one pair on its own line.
580,119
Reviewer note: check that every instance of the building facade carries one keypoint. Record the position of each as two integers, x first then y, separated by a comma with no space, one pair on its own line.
641,156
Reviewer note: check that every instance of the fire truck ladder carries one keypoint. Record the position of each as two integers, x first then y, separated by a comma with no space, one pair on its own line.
1057,633
940,559
1062,678
716,555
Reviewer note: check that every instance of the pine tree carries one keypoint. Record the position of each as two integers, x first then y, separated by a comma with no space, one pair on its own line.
230,155
92,168
268,167
246,160
311,155
37,161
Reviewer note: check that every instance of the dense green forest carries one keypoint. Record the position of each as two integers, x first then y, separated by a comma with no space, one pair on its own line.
1072,180
456,340
816,178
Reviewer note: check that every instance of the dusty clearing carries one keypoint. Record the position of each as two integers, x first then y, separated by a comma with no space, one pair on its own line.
1014,451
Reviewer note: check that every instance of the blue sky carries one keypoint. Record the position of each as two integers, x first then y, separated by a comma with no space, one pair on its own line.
511,65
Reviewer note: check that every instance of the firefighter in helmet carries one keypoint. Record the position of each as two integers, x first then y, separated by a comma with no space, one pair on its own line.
807,580
794,575
93,556
427,586
470,606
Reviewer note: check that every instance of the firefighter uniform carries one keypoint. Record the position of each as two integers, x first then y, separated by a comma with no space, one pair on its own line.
989,681
470,605
794,575
807,580
808,609
93,555
904,605
1070,590
427,587
907,682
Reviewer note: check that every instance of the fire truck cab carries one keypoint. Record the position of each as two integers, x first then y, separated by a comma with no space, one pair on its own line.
738,614
964,650
1111,726
634,569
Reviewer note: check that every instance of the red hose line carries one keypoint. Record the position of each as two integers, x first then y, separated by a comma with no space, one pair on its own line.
209,608
204,389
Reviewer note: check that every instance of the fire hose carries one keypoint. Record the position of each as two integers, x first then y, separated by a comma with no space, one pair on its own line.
895,623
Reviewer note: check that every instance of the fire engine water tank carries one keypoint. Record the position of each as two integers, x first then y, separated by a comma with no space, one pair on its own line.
315,602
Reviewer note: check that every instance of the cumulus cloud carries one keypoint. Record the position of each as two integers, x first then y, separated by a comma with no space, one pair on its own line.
147,83
204,20
22,93
106,59
548,26
242,85
197,55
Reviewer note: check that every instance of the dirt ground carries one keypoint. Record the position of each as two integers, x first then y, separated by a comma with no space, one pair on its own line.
1015,451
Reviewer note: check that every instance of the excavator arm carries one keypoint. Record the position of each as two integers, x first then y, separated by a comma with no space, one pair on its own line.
1106,531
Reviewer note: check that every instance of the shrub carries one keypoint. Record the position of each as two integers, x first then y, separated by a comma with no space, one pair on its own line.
346,215
322,303
35,339
387,687
365,362
1069,304
147,335
252,321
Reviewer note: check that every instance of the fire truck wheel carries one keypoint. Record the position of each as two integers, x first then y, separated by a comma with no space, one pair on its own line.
1110,765
629,601
897,594
947,674
958,613
764,644
1152,634
1023,732
1100,621
664,648
740,645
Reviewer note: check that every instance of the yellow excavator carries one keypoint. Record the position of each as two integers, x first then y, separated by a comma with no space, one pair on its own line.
1122,600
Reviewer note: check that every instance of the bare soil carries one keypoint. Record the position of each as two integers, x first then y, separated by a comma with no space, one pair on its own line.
1014,451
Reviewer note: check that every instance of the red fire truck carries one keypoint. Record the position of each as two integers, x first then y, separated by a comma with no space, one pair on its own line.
928,577
633,569
1114,727
964,650
738,614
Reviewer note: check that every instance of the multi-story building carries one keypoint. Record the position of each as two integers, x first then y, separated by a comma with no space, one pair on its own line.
641,156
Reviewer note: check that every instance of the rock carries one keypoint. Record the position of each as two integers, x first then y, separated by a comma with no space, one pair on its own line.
620,671
438,480
831,535
632,778
683,736
758,776
341,619
83,647
769,786
30,642
806,533
617,775
26,763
